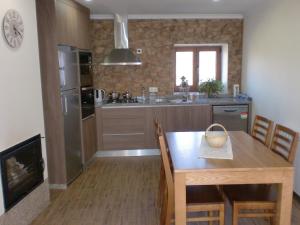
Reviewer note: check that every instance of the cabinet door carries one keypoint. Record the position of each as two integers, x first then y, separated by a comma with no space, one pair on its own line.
178,118
123,128
72,24
188,118
89,138
201,117
83,29
65,23
99,122
152,114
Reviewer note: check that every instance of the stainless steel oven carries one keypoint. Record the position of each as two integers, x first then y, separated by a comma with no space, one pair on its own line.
87,101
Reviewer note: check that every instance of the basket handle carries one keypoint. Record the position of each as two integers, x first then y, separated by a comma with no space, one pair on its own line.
216,125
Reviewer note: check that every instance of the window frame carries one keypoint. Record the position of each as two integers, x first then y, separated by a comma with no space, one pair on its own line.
196,50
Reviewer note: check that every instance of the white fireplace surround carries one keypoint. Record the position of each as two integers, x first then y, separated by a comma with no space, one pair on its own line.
21,114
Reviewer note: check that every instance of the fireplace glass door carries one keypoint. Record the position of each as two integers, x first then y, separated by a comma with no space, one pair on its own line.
22,170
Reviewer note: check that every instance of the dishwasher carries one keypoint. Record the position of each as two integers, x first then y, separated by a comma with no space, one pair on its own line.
232,117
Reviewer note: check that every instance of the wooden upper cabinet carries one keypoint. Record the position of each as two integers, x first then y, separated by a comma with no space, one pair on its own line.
72,24
83,24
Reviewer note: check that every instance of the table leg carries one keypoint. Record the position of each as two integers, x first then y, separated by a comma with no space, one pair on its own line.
180,199
285,201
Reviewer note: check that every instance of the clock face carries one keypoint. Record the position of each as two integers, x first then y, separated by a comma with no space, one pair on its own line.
13,28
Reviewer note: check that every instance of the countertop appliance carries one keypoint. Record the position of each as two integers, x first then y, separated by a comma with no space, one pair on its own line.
99,95
232,117
87,102
70,100
116,97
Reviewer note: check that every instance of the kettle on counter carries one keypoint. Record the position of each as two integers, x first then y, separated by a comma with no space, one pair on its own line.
99,95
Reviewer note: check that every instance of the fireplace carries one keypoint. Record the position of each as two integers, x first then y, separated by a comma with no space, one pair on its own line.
22,169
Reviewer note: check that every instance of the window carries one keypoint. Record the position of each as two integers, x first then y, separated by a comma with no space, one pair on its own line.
197,64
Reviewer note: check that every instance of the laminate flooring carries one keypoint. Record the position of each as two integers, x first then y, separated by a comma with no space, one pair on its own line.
115,191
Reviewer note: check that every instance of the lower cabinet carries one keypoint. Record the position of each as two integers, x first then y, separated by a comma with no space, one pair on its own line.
188,118
89,136
123,128
133,128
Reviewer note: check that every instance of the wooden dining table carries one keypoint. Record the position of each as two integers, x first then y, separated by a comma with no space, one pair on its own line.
252,163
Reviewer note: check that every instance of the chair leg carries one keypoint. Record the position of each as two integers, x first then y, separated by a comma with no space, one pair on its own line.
221,215
210,214
161,187
273,220
235,214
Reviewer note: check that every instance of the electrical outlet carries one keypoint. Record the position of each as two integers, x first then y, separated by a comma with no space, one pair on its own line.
139,51
153,89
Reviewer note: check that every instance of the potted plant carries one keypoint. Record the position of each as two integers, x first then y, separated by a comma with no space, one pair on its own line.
211,87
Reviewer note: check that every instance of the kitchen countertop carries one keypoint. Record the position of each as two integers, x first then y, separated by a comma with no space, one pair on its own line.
179,102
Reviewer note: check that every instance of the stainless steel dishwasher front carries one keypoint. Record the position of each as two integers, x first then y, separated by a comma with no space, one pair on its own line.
232,117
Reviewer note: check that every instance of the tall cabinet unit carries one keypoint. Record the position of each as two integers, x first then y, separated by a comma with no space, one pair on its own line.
59,22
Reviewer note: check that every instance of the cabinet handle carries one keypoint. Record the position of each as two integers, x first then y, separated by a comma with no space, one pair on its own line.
66,105
230,110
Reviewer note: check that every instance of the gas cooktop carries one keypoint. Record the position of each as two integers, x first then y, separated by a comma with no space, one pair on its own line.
122,101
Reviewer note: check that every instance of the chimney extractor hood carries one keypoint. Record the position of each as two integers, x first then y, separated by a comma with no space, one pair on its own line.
121,54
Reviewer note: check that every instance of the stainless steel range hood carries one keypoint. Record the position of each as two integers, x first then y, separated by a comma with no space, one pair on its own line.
121,54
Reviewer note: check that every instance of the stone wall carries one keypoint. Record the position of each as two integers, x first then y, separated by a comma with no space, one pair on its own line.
157,39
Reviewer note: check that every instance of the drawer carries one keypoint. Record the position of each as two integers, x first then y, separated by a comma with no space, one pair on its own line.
123,113
123,142
123,126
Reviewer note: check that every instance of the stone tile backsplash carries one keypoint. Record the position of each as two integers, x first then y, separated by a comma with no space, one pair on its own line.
157,38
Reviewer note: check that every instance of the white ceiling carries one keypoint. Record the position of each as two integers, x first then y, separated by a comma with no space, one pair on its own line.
172,6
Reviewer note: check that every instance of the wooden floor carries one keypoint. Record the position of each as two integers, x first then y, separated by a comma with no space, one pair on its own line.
115,191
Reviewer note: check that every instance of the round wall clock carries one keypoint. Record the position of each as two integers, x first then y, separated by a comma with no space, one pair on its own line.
13,28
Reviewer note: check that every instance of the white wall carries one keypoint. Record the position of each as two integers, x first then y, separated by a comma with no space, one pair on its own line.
271,69
21,111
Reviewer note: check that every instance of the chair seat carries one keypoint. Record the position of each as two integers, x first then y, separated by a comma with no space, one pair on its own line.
203,194
254,192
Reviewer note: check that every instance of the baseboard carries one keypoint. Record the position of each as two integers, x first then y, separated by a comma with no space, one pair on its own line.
128,153
89,162
58,186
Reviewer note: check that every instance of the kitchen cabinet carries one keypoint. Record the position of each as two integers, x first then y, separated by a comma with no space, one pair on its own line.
122,128
89,137
188,118
59,22
133,128
72,24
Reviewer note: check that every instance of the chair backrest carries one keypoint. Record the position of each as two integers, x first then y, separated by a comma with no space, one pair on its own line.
168,202
284,142
158,128
262,129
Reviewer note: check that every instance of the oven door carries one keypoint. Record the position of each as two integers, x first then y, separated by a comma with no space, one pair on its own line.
87,102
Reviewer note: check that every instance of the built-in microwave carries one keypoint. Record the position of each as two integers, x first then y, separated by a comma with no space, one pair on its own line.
87,101
86,68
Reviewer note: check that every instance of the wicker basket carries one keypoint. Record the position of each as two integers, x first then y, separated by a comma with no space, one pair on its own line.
216,139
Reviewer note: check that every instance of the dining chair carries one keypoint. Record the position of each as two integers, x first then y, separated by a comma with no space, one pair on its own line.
204,203
284,142
262,129
259,201
158,132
